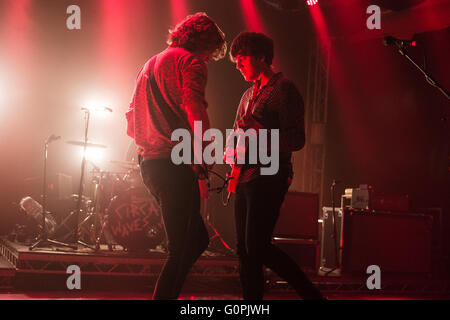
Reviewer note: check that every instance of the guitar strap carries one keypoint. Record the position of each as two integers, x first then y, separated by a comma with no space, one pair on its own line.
248,111
164,107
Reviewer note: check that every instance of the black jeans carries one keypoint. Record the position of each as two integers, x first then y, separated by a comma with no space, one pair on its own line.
257,208
176,189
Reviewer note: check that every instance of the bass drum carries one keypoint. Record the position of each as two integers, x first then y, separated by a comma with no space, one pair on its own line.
134,220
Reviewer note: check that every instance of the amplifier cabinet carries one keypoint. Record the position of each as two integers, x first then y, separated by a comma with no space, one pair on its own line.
305,252
299,216
396,242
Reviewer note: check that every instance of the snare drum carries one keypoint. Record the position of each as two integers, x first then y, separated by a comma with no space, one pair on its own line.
134,220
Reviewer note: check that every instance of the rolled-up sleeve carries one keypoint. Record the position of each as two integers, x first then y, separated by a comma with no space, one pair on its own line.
194,78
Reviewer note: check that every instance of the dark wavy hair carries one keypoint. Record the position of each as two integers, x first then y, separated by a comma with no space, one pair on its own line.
252,44
199,33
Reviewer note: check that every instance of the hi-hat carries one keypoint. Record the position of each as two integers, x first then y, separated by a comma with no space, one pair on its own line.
89,144
126,164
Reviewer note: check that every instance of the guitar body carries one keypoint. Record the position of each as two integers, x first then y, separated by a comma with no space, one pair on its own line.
236,168
234,175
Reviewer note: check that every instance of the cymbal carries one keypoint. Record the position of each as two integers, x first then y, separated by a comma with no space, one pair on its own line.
89,144
126,164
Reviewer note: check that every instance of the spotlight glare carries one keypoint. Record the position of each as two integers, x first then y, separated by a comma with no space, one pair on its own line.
312,2
93,154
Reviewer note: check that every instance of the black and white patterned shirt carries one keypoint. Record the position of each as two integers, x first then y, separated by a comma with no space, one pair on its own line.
277,105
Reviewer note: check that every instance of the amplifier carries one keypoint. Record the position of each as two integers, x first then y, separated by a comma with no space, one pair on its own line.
385,202
299,216
305,252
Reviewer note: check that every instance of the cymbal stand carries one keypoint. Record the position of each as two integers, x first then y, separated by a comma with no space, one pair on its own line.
87,115
98,197
43,239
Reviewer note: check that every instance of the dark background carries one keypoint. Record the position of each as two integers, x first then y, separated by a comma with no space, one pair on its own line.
385,124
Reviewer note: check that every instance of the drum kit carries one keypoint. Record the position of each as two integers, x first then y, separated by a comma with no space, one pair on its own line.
115,212
119,210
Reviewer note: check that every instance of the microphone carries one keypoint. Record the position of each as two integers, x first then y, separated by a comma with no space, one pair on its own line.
390,40
52,138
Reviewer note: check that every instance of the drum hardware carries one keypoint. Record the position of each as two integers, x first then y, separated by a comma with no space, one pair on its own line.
30,203
64,231
104,232
129,165
120,203
88,144
99,208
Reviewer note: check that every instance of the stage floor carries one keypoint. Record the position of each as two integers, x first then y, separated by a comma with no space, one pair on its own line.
40,295
41,274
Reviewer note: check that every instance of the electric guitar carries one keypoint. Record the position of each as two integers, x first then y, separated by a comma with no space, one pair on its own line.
235,167
234,175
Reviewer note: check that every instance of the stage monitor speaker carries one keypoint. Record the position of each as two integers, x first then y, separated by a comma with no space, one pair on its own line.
299,216
396,242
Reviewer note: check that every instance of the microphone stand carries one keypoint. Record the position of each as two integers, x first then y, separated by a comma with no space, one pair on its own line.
43,239
429,79
334,235
209,224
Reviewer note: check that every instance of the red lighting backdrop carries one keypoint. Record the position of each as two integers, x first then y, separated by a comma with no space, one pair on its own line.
251,16
179,10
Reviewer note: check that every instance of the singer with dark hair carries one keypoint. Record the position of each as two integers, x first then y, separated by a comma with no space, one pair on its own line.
272,102
169,95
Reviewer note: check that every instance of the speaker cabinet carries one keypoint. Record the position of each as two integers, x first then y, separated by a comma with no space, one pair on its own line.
396,242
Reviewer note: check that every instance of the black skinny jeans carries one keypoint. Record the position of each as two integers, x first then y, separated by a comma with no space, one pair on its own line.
176,189
257,208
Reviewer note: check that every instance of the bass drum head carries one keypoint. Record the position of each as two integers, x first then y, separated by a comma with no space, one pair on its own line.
135,221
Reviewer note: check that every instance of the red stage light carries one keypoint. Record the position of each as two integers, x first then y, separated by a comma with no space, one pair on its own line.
312,2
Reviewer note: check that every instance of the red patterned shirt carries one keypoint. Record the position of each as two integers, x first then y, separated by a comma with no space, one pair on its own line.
181,78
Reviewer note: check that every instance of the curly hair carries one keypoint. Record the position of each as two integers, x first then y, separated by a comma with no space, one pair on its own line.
252,44
199,33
